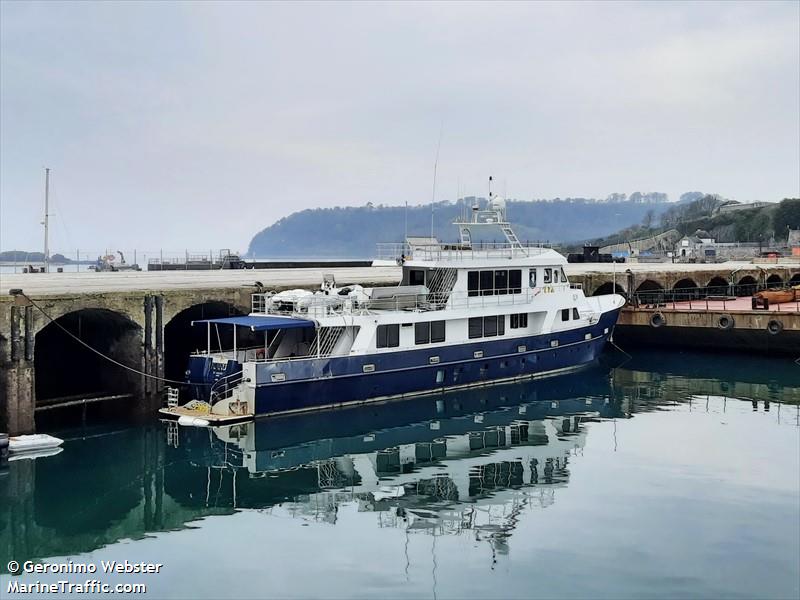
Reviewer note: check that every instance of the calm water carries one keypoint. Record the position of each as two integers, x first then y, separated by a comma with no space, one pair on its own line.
665,477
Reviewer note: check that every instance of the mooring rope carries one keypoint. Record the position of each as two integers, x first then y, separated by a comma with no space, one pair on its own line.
100,354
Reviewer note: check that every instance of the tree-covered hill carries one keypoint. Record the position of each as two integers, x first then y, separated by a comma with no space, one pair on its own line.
760,224
354,231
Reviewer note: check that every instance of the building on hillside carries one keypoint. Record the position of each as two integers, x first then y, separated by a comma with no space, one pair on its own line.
699,246
733,205
794,241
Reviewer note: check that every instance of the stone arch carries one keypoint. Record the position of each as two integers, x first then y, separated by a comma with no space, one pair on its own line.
66,367
609,287
181,339
795,280
774,281
48,311
685,289
746,286
650,291
717,286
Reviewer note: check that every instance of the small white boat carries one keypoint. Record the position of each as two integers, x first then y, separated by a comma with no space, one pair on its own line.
32,443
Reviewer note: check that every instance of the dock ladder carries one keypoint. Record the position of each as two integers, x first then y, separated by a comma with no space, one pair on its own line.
172,395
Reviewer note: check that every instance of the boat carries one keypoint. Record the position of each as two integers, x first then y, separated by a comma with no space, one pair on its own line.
778,296
465,314
37,442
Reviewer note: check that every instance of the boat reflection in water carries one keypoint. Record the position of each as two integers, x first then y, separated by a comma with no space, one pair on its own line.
453,461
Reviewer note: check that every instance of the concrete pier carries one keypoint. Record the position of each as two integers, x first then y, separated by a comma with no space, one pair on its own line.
143,320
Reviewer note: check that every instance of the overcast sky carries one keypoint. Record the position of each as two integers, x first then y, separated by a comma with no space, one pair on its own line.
181,125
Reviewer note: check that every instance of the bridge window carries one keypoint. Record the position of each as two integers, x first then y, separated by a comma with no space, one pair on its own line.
565,314
548,275
575,314
500,282
473,283
487,283
564,277
388,336
532,278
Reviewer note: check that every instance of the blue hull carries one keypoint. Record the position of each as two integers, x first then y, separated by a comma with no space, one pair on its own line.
341,381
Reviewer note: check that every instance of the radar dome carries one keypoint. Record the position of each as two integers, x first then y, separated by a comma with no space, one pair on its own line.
497,203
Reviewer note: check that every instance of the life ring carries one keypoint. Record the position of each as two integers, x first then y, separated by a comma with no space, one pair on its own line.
774,327
657,320
725,322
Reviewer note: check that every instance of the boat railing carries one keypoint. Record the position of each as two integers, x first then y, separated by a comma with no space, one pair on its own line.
457,252
242,354
323,306
223,387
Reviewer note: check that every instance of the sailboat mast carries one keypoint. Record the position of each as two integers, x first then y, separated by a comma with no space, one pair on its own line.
47,220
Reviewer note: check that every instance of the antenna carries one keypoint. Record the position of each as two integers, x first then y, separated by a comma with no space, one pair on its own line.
46,221
406,223
490,188
435,167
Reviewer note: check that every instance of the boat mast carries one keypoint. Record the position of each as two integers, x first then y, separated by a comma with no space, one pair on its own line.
46,221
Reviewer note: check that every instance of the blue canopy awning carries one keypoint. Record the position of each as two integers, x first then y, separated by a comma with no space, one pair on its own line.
264,323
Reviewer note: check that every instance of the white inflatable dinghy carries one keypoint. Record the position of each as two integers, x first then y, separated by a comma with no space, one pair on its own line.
32,443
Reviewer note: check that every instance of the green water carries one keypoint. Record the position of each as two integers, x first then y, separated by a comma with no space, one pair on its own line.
671,476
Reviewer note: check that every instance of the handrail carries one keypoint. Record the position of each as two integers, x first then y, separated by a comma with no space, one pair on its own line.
223,387
322,306
702,296
458,251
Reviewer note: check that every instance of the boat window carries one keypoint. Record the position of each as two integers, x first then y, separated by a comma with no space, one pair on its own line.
575,314
565,314
388,336
564,277
514,321
475,327
548,275
490,326
422,333
532,278
515,281
519,321
416,277
501,282
487,283
473,285
437,331
501,325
